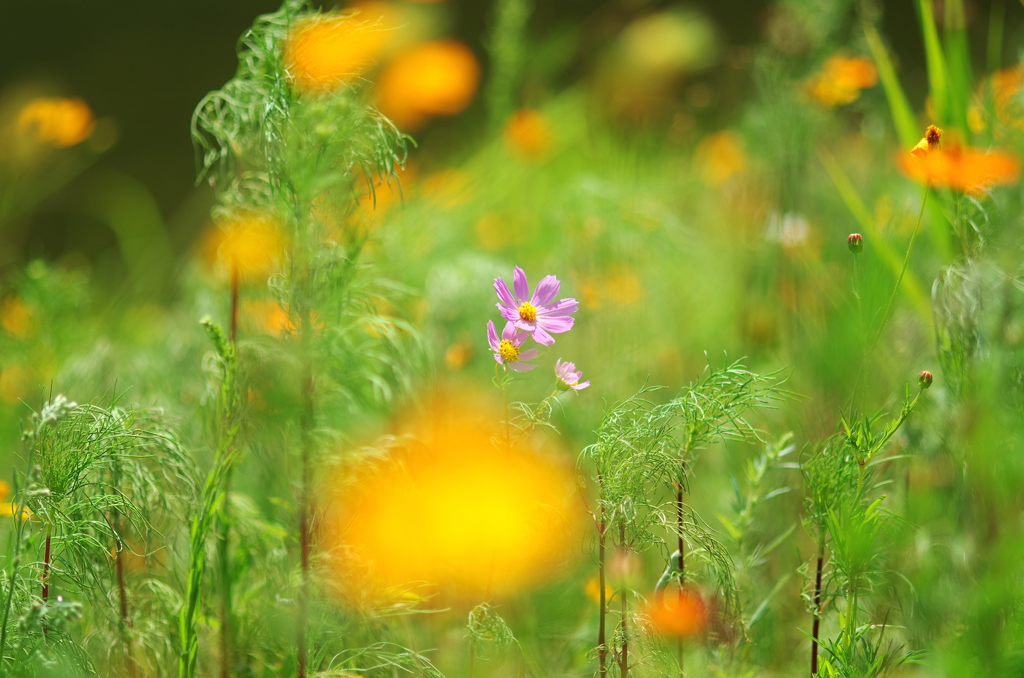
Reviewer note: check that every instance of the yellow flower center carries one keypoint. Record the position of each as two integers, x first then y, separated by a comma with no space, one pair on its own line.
528,312
508,351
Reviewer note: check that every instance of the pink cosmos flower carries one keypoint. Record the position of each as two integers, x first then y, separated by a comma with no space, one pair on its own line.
539,315
568,376
508,351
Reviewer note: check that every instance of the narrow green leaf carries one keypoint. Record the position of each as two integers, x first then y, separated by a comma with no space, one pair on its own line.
902,114
938,69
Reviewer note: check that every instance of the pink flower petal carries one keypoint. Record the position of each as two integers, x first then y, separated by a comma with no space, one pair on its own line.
507,313
520,367
546,290
501,287
555,325
580,386
497,359
559,308
492,336
542,337
528,354
525,325
522,288
509,333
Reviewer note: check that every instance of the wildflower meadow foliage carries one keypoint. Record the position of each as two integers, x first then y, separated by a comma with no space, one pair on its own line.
292,432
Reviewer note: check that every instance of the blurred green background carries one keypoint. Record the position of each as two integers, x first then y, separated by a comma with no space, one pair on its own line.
146,65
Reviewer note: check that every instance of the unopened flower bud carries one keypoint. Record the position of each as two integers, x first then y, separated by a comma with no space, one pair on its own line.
924,380
855,241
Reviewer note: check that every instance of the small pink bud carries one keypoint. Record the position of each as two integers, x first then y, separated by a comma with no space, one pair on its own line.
924,380
855,241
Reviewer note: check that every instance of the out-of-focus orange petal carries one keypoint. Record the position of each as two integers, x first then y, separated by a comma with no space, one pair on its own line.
678,613
331,51
435,78
249,244
460,513
841,79
58,122
967,170
17,317
720,157
528,133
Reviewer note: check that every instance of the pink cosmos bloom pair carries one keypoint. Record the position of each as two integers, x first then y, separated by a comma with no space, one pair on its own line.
539,315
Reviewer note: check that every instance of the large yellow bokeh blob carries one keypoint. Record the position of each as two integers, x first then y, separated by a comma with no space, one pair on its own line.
331,51
435,78
461,514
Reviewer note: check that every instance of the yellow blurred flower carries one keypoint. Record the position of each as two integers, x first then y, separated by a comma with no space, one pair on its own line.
456,511
841,80
447,188
720,157
435,78
15,384
58,122
593,590
458,354
528,133
331,51
17,317
247,244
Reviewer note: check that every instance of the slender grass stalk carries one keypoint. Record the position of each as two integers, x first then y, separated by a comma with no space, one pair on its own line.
233,332
682,559
305,536
212,496
602,639
507,47
224,517
816,628
624,653
224,576
126,622
869,346
903,270
46,574
13,573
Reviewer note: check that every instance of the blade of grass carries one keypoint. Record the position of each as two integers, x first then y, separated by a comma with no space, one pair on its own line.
958,58
907,128
938,69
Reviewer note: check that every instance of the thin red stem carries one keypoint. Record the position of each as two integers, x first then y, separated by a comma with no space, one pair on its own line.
815,629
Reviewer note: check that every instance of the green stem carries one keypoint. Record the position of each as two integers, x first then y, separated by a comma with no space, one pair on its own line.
903,270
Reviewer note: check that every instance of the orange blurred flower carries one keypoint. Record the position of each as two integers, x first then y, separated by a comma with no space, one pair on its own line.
678,613
248,243
330,51
529,134
17,317
841,79
58,122
435,78
720,157
960,168
456,511
266,316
